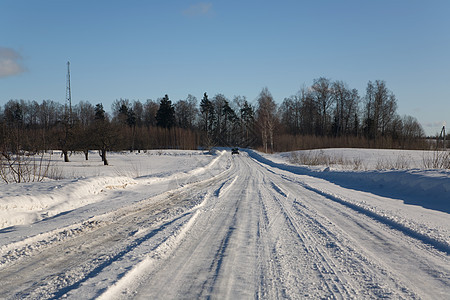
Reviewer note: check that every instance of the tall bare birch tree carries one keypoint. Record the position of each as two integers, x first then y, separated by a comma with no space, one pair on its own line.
266,118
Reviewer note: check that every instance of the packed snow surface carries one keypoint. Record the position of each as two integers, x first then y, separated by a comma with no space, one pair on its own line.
193,224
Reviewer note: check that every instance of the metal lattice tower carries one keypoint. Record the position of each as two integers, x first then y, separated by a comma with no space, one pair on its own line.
68,95
443,137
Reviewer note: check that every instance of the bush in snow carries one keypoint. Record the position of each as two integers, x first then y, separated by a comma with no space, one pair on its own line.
23,167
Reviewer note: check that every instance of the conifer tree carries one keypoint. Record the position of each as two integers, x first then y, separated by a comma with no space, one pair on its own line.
165,117
207,111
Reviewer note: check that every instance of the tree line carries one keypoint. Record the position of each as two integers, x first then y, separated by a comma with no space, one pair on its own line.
326,114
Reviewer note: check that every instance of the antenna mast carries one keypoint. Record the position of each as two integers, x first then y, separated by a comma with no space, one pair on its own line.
69,94
443,136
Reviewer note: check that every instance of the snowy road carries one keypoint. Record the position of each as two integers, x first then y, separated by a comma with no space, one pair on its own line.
248,231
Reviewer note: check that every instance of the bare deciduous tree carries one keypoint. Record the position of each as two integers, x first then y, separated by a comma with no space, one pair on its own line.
346,106
150,109
321,91
186,112
266,118
380,109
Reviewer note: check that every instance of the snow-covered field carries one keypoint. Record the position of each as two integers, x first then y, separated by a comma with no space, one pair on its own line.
87,183
191,224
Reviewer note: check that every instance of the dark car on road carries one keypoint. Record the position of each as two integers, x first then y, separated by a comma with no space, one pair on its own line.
234,151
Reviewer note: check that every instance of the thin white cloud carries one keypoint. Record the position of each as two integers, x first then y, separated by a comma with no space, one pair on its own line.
435,124
199,9
9,62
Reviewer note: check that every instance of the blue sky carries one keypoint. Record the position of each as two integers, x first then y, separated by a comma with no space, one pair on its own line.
144,49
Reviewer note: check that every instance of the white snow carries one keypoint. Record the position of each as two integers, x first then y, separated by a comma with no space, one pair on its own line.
217,225
370,158
87,182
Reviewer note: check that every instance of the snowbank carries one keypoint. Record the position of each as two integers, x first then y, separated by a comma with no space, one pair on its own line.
427,188
415,202
88,182
25,203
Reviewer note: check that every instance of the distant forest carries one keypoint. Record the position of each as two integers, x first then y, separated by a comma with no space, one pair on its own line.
325,114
